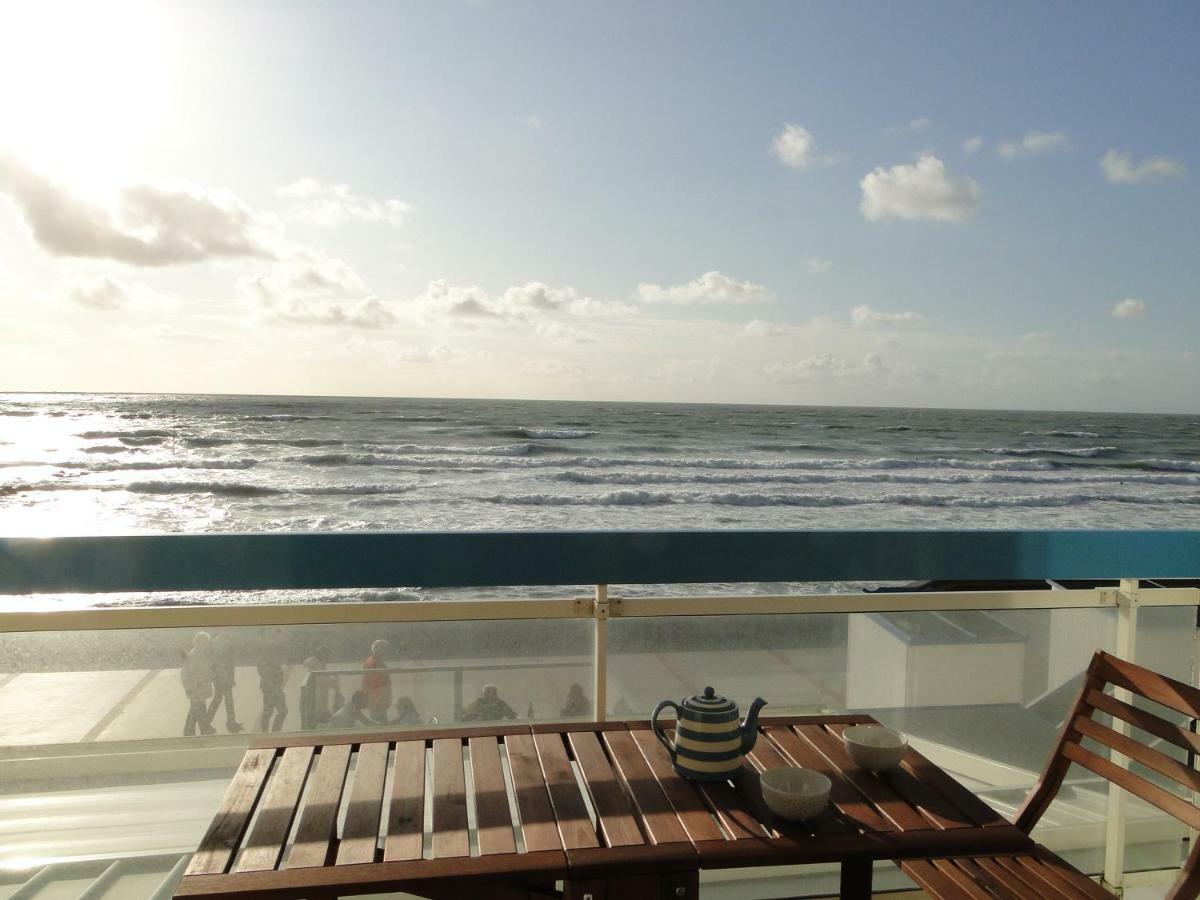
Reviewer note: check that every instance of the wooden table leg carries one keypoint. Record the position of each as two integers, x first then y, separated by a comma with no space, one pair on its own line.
856,879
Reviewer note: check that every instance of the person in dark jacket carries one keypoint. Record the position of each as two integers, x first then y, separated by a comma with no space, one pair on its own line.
270,682
196,673
223,681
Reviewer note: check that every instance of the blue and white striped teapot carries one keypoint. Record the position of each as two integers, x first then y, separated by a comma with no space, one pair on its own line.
709,742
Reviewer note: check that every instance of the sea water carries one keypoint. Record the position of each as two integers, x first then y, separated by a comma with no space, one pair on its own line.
122,464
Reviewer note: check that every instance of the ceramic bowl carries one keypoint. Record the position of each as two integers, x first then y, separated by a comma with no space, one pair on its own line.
793,793
874,747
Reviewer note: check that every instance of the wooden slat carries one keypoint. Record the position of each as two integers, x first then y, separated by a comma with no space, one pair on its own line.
1135,784
574,824
932,880
690,808
360,833
275,812
730,810
406,814
1173,694
889,804
932,805
1136,750
538,828
225,833
842,795
449,800
318,818
1147,721
968,878
987,880
1008,884
658,818
765,755
968,804
1069,879
614,812
493,819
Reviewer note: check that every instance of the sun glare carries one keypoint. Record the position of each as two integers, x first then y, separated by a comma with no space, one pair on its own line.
83,84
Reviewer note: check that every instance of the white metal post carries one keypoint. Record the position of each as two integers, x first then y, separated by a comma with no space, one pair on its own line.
600,654
1114,832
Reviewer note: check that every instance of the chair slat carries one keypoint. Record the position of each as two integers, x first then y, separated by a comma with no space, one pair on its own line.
450,837
1135,784
406,814
360,833
1136,750
849,802
613,809
1023,870
276,810
1067,877
689,806
885,799
971,879
932,880
574,823
1007,882
221,840
658,818
538,828
1173,694
318,818
1146,721
493,820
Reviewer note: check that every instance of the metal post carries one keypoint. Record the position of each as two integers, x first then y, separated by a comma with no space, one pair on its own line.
600,654
1114,833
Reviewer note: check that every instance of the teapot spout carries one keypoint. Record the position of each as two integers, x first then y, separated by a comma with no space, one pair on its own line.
749,729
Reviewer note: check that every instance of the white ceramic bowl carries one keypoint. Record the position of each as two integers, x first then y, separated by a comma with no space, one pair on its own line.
793,793
874,747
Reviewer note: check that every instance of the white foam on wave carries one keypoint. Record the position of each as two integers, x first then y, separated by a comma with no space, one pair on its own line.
555,434
866,477
1074,434
1086,452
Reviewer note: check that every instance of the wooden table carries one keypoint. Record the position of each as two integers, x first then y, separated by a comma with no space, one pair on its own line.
431,813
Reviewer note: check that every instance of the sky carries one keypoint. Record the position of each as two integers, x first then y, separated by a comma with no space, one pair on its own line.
926,204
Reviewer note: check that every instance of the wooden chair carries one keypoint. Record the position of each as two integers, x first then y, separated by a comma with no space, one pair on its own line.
1042,873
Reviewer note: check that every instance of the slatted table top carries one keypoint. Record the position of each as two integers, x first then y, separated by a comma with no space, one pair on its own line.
527,804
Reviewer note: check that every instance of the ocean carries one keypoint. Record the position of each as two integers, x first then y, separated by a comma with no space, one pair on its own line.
127,463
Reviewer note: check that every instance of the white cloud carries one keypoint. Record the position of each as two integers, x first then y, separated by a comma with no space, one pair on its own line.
864,316
320,203
917,124
533,304
553,370
1119,168
104,291
1129,308
795,148
759,328
1034,143
923,190
1037,337
315,292
817,266
711,287
972,145
534,122
152,225
824,368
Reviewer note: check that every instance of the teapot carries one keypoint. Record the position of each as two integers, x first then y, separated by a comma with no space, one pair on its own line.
709,742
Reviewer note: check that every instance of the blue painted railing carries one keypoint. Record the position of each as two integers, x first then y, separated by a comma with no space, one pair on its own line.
195,562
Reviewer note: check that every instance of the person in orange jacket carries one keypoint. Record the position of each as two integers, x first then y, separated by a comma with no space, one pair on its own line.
377,685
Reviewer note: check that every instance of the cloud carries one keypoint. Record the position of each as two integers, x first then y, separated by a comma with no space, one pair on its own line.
553,369
105,292
823,368
918,124
759,328
972,145
1037,337
1129,308
535,122
794,147
864,316
711,287
1034,143
924,190
320,203
531,305
315,292
817,266
151,226
1119,168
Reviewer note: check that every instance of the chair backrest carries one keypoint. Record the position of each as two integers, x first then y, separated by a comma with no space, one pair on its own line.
1104,671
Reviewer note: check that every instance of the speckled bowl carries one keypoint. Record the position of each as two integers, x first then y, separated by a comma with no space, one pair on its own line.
793,793
874,747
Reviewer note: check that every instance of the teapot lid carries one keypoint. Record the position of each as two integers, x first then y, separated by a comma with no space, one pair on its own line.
710,702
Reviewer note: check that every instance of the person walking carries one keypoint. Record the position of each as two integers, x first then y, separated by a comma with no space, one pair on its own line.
377,685
196,673
223,681
270,682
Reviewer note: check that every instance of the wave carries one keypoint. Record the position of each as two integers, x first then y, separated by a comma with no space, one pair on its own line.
1087,452
287,417
1074,434
730,498
894,428
231,488
23,413
106,448
978,477
1168,465
147,464
556,434
128,433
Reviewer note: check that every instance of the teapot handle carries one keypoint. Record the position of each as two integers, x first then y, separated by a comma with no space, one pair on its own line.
658,730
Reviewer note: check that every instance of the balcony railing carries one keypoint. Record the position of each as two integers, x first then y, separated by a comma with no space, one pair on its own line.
751,622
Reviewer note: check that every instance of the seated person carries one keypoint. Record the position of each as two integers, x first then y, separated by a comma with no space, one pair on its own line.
406,712
351,715
488,707
577,702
